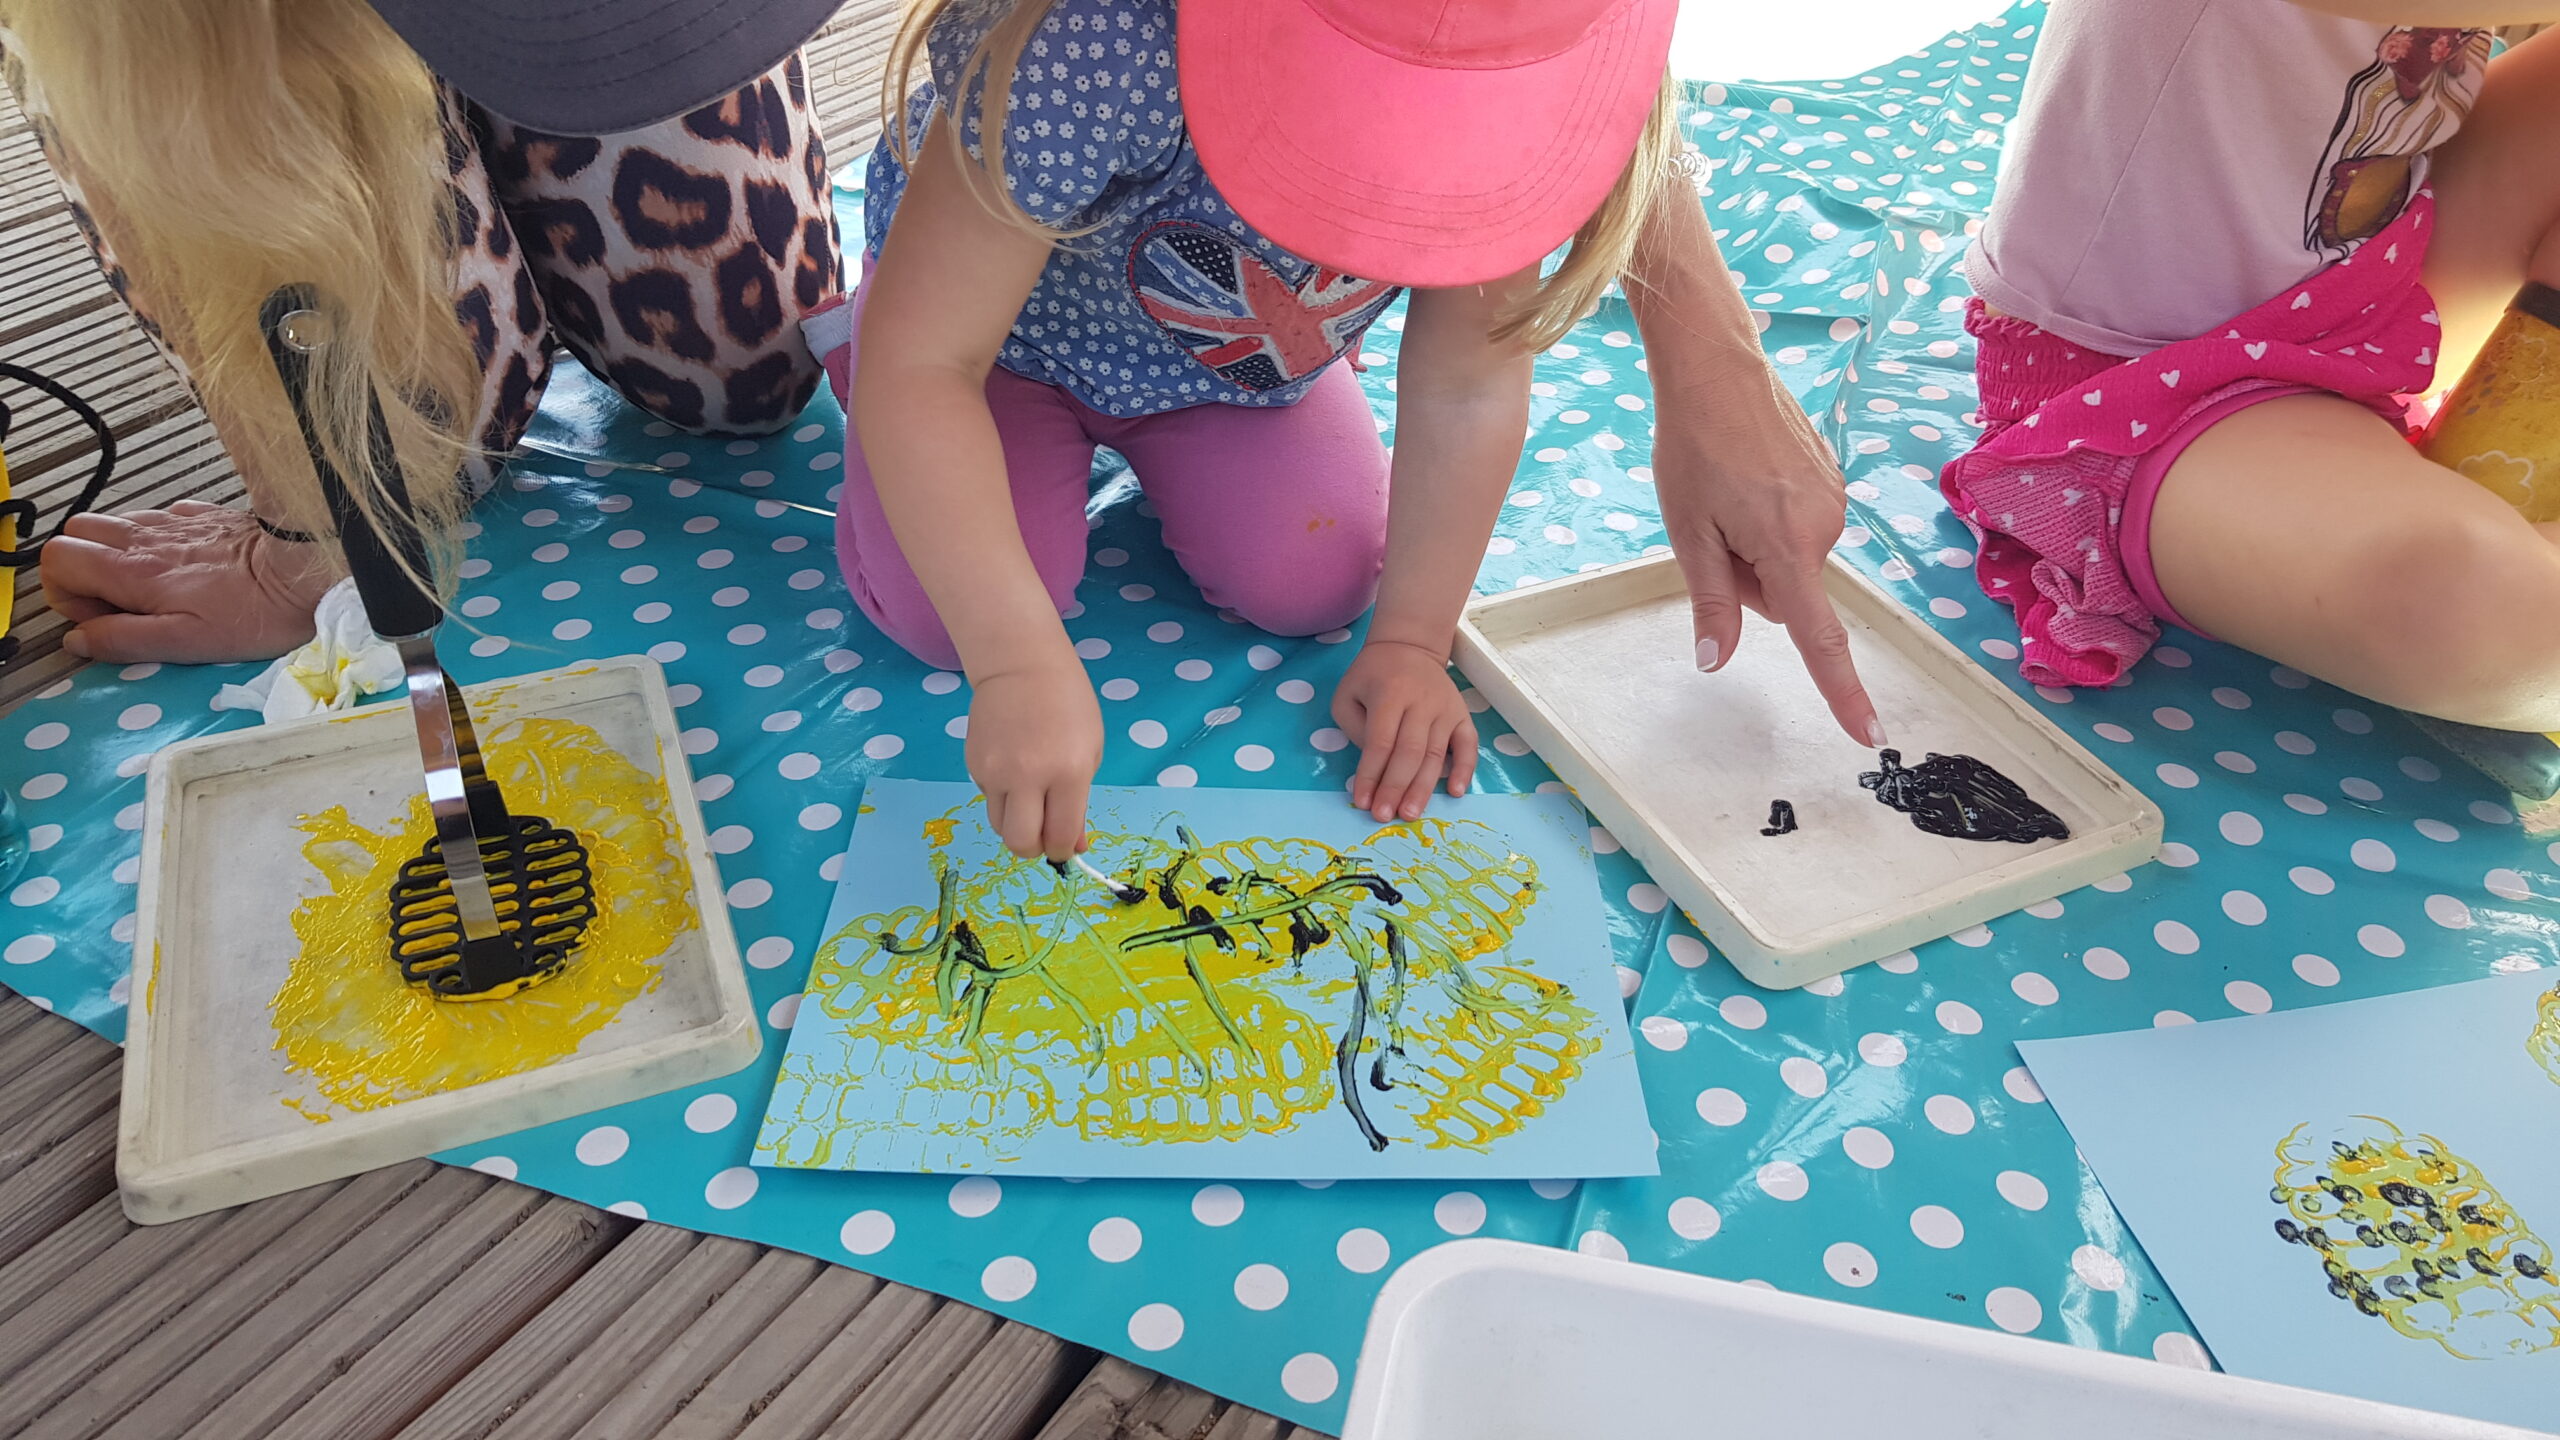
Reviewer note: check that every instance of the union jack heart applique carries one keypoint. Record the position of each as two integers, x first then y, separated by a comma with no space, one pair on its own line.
1238,316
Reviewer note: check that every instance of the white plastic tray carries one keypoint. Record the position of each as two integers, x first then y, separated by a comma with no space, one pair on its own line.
204,1124
1495,1340
1596,672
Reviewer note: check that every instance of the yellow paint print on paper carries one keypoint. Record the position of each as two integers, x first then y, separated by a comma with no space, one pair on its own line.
2543,1042
1364,997
2412,1234
344,1018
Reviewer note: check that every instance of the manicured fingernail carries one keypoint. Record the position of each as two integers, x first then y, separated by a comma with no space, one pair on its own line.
1709,652
77,644
1875,734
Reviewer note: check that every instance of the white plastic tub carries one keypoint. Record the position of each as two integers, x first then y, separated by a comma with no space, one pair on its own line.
1493,1340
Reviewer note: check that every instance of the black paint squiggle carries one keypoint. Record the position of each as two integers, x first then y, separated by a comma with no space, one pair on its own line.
1960,797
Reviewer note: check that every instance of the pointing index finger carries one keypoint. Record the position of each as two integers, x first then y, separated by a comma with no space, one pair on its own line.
1798,601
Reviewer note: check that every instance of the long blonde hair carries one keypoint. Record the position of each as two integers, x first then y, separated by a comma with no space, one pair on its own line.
1598,256
228,147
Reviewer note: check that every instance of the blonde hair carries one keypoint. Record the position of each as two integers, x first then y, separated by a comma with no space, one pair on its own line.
1600,250
228,147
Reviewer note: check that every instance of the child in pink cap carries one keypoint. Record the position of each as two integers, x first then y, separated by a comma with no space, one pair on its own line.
1106,223
2232,238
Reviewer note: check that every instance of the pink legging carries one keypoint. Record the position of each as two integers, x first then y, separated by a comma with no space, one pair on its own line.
1279,515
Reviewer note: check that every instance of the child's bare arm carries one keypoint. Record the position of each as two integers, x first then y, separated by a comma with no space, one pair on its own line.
1462,404
951,279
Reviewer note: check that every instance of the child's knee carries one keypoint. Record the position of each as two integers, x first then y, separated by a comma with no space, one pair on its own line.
2462,616
1305,596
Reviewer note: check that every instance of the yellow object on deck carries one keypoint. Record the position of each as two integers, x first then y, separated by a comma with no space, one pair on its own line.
2501,424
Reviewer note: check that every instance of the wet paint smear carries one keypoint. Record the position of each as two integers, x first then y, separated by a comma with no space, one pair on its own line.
1960,797
364,1039
2413,1235
1782,819
1202,990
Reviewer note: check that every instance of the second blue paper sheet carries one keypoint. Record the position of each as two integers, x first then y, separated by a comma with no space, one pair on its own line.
1268,984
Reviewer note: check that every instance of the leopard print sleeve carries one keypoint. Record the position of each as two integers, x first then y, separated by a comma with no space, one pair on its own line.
676,261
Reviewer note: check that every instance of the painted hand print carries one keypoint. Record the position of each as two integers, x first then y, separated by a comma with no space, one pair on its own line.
1245,983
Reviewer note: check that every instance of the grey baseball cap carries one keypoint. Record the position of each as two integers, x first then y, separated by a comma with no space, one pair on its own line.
598,67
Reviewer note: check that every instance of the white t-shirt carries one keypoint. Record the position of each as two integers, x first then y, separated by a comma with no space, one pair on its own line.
2178,162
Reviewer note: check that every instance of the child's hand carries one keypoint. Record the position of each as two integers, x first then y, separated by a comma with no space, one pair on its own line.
1035,736
1398,705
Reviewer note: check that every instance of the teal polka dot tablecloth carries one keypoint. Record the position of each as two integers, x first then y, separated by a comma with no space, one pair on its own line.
1871,1138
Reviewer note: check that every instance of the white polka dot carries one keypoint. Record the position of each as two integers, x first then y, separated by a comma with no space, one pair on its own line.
710,1112
1686,951
1867,1146
1647,898
2307,805
1720,1106
1803,1076
36,891
2382,940
2111,731
1296,692
1782,1180
1261,1287
2249,997
1254,757
488,645
1362,1251
1309,1379
1884,1050
2507,884
1193,670
1008,1278
138,717
1328,739
28,949
1742,1012
821,816
1600,1244
1852,1265
2242,828
2106,964
1157,1326
1937,1227
603,1145
1217,1205
1972,936
883,747
1178,777
1949,1114
2311,881
2021,1189
1262,657
1460,1212
1958,1018
1150,733
1510,744
1900,962
2373,855
2448,912
2170,717
2035,989
730,1188
498,1165
2098,1269
2177,777
1114,1240
1662,1032
2176,937
2491,813
975,1196
2168,1019
783,1012
2013,1309
45,786
2244,908
2182,1350
1694,1219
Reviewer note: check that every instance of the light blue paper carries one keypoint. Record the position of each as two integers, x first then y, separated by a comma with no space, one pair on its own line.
2183,1127
1503,1049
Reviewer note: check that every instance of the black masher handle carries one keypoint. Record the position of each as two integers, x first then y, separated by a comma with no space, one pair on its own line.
389,569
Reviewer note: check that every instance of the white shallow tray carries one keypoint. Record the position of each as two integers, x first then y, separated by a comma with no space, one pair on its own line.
1495,1340
204,1125
1597,673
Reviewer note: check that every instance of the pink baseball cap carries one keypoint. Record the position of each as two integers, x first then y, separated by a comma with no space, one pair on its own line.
1423,142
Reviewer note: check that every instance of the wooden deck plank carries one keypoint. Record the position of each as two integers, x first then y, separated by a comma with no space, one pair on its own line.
158,1328
54,1259
1006,1388
1171,1410
458,1324
424,1196
589,1381
56,1185
59,1092
554,1339
857,1355
371,1313
1242,1422
1099,1403
748,1383
47,1349
924,1368
31,1046
689,1359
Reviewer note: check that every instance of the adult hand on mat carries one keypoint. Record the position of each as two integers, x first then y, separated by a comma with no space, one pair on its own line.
194,584
1753,513
1397,704
1035,738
